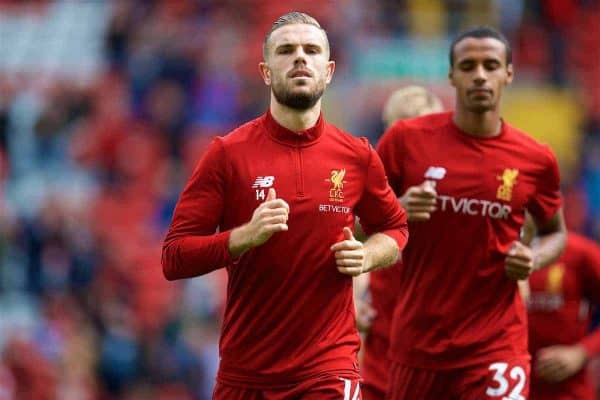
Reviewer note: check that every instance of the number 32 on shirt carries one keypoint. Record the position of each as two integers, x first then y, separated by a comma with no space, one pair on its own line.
507,382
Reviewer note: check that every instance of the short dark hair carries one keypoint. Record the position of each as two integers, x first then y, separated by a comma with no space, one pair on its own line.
481,32
293,17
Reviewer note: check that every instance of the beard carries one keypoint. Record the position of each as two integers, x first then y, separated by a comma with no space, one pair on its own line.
297,101
481,108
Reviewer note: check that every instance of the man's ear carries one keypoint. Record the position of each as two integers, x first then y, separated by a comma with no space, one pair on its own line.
330,70
265,72
510,73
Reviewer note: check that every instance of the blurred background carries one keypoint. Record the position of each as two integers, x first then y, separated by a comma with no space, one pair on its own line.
106,106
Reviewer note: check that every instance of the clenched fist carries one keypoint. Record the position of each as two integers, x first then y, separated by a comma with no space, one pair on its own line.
519,263
419,201
268,218
557,363
350,255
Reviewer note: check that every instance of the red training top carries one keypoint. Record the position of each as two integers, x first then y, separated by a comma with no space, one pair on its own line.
559,313
289,312
456,306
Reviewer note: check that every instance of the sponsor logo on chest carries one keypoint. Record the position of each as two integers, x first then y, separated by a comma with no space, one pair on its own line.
474,206
468,206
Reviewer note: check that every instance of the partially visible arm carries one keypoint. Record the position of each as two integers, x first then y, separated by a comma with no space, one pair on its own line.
376,245
544,207
550,240
545,248
383,221
381,251
192,247
381,216
268,218
559,362
419,201
353,257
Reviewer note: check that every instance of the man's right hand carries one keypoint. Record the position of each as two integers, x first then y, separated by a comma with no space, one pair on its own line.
268,218
557,363
419,201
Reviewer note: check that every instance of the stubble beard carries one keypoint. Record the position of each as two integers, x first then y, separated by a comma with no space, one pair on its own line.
297,101
480,107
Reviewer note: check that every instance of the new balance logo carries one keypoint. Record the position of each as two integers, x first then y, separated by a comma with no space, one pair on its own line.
435,173
260,184
263,182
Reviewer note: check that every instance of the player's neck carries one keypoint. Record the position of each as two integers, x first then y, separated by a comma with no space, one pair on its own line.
295,120
486,124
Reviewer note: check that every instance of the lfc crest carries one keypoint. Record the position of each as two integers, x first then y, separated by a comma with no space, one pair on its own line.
336,193
555,278
509,179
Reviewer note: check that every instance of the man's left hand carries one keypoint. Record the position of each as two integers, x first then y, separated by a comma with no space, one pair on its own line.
519,261
350,255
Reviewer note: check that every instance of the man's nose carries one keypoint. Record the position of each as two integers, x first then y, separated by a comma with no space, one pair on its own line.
300,55
480,74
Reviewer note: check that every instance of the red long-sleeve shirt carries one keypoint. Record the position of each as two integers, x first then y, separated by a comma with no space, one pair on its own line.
559,313
289,312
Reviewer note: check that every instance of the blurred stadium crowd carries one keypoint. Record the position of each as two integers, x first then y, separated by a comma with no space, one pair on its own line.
105,107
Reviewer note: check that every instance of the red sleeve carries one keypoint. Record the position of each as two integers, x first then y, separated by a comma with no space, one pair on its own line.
192,247
378,209
546,201
591,281
389,150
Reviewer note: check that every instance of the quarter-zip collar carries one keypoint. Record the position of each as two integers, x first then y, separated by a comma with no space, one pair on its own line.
288,137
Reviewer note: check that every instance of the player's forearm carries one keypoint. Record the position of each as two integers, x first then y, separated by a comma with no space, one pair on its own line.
190,256
239,241
548,248
381,251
